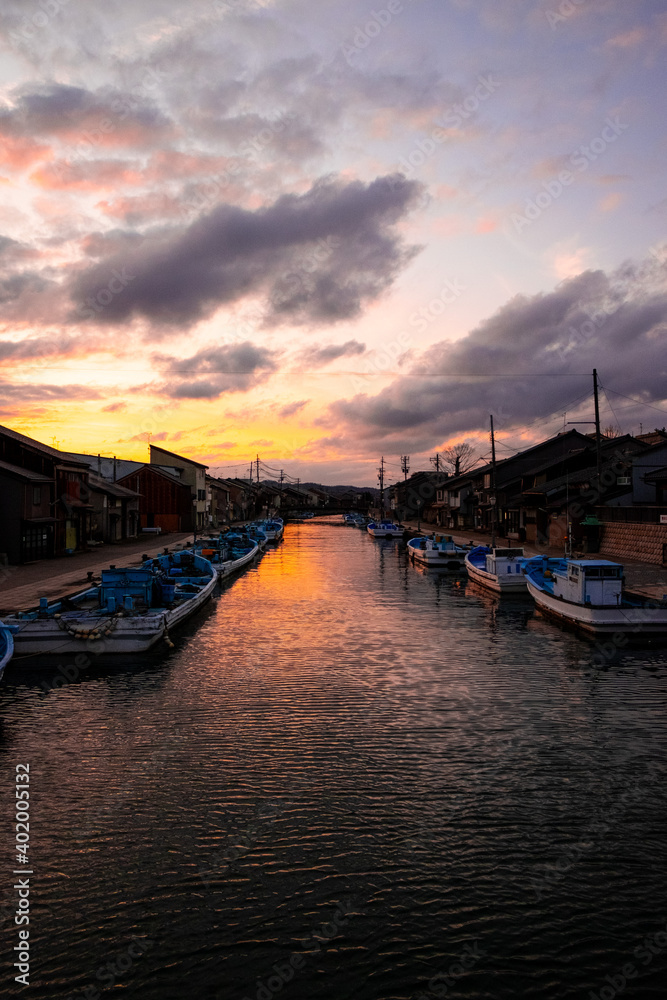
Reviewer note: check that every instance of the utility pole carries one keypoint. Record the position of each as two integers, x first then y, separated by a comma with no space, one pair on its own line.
493,486
598,445
258,470
405,465
381,482
436,461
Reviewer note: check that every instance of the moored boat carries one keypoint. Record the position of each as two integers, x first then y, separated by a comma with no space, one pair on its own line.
6,646
589,595
437,550
384,529
498,569
130,611
273,528
229,552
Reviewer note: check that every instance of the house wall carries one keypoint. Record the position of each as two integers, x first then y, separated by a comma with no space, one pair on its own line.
11,504
162,504
643,542
643,492
193,475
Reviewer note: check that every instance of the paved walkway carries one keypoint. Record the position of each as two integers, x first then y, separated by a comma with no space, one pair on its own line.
22,586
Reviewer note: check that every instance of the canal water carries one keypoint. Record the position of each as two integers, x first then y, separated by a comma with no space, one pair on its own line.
350,779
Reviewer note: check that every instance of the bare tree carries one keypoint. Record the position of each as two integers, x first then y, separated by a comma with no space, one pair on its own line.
611,431
460,457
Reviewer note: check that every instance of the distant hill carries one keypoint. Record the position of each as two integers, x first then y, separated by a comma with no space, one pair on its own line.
334,490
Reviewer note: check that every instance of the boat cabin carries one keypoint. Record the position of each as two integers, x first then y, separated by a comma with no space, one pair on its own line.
505,562
590,581
126,588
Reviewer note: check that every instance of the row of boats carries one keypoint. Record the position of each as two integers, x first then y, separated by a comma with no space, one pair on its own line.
134,609
589,594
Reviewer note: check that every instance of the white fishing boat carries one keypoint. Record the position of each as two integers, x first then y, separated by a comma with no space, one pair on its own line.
437,550
589,595
6,646
498,569
130,611
384,529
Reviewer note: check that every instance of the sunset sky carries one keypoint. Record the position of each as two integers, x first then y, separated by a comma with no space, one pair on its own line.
312,229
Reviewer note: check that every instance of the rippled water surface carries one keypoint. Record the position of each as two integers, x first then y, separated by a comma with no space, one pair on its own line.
385,777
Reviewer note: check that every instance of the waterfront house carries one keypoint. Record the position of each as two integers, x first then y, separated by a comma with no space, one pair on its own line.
218,501
192,473
165,501
65,526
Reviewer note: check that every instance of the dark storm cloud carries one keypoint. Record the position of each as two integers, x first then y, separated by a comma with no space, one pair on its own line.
617,324
318,257
212,371
317,357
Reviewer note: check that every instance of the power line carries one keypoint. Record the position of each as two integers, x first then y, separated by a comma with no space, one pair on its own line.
639,402
394,374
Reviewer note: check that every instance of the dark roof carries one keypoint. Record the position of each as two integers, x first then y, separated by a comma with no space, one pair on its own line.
27,474
658,474
172,454
157,470
101,485
45,449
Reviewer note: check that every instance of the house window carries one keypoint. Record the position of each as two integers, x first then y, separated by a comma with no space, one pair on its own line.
36,495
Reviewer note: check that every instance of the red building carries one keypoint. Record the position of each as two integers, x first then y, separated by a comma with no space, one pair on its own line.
164,501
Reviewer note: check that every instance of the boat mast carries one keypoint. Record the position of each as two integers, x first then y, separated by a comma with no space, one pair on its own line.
493,486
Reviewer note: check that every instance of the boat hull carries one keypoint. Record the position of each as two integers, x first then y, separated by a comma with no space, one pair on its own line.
499,584
97,634
232,565
637,623
6,647
440,560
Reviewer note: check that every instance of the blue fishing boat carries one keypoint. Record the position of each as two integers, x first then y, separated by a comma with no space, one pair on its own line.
229,552
273,528
130,611
498,569
6,646
589,595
